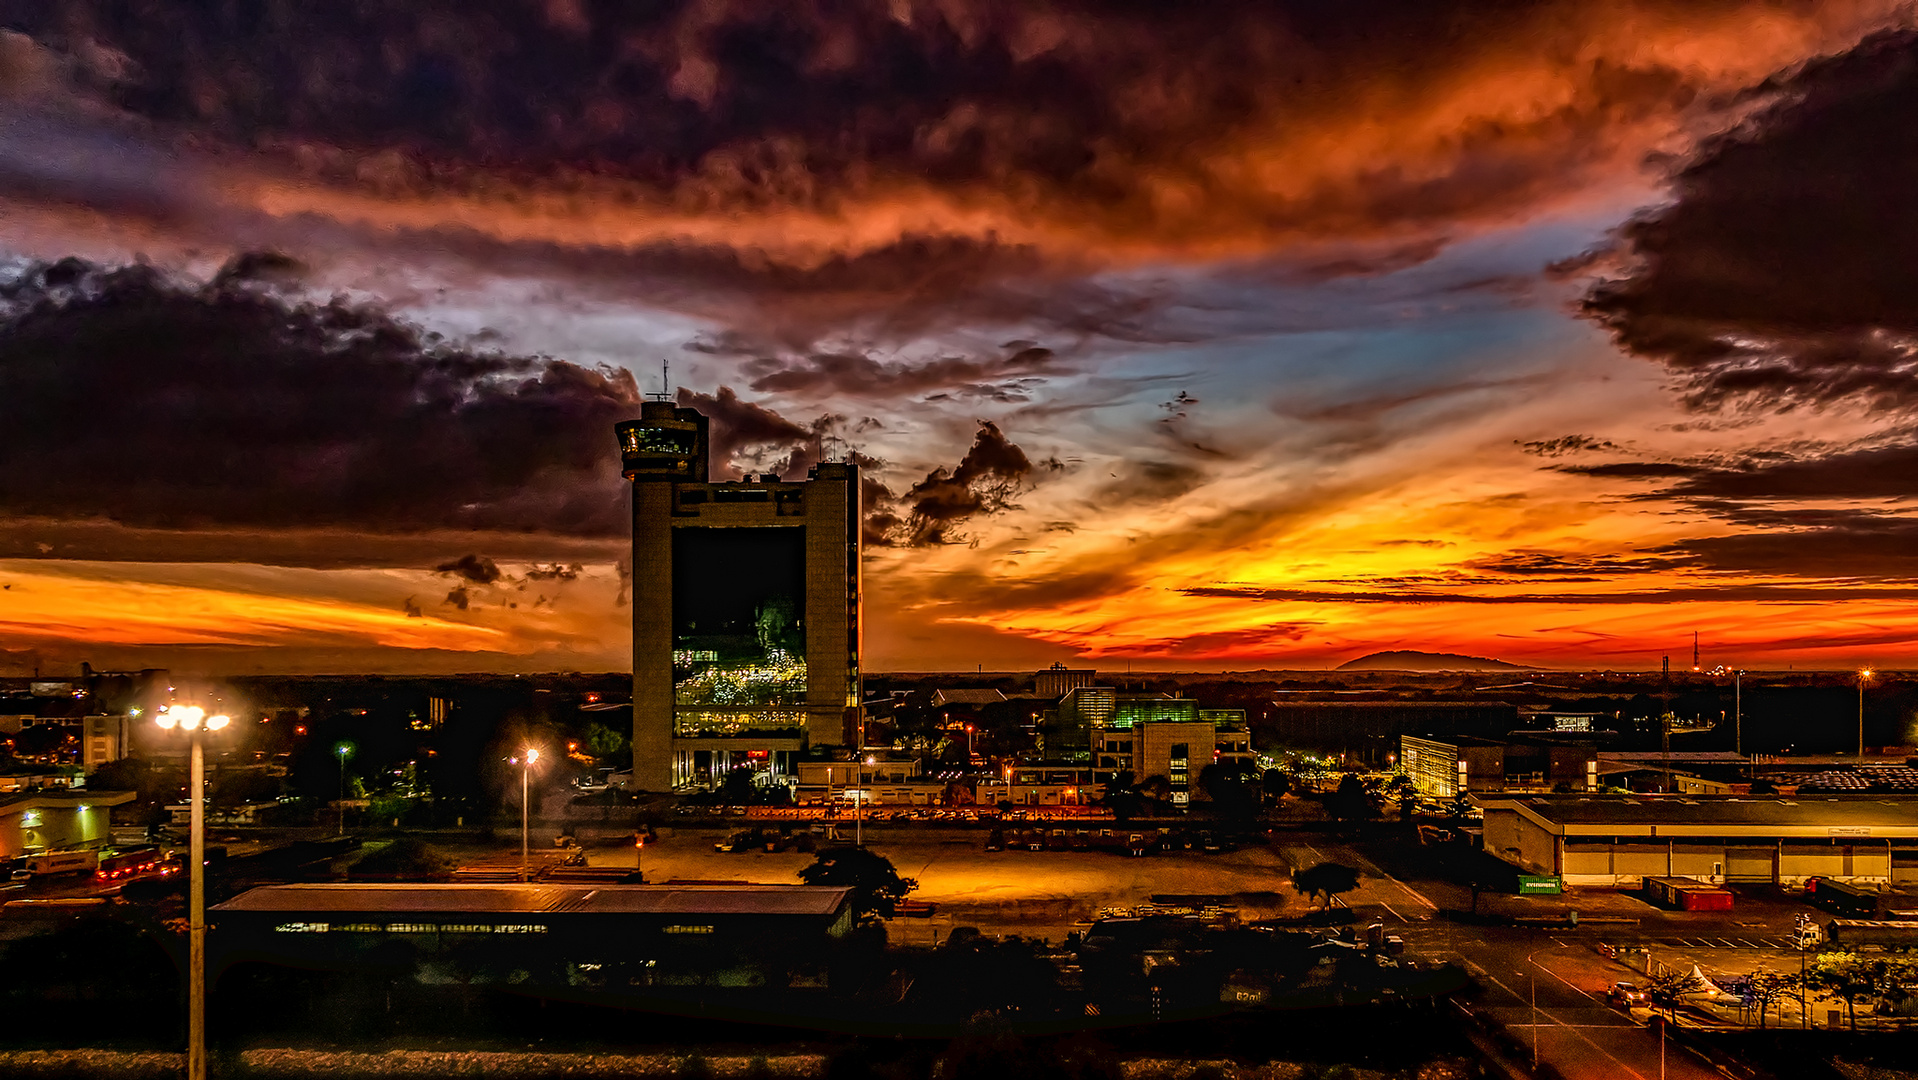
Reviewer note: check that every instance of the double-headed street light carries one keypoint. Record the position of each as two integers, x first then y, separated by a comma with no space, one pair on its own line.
525,762
196,723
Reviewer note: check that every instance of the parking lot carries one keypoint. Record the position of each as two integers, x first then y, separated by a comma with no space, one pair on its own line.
1042,893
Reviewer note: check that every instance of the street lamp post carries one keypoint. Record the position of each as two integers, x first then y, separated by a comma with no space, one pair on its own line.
196,723
526,759
858,815
1738,712
1864,675
343,751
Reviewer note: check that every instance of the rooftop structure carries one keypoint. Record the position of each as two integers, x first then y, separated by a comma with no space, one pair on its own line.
511,899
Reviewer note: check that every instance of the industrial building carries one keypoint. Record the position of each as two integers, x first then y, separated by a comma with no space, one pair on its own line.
1620,840
745,601
608,936
1370,730
1441,766
45,820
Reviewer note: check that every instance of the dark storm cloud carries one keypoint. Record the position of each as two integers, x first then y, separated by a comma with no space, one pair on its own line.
1753,594
1881,470
158,403
740,433
1764,494
861,375
986,481
477,569
1568,444
1550,566
1781,274
460,597
1855,546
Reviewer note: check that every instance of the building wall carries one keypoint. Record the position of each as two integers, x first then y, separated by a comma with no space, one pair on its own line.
102,739
1060,681
1156,743
652,600
1625,863
24,832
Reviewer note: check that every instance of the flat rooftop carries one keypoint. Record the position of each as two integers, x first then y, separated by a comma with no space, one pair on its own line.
61,798
1662,815
515,899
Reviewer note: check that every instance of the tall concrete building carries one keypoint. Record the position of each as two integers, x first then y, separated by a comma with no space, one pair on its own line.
745,600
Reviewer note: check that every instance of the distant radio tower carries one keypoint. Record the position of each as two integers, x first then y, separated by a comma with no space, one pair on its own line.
1695,650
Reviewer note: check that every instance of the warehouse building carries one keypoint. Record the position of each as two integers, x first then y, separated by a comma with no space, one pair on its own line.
1620,840
32,822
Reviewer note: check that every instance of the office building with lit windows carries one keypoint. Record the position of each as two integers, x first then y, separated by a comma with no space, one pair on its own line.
745,598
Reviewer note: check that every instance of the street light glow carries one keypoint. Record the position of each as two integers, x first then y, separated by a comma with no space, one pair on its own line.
532,754
166,719
189,716
216,722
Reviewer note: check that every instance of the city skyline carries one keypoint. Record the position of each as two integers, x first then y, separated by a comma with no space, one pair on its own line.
1264,339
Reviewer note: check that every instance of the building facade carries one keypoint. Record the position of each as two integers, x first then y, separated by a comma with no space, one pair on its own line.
745,598
1620,840
1443,766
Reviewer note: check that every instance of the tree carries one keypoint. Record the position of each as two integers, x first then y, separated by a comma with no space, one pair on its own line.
1232,796
1461,808
603,740
1276,784
1325,879
1766,987
876,886
1854,978
1122,795
1666,989
1351,802
1157,788
405,859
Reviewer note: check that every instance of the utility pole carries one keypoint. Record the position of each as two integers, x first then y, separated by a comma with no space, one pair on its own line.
1863,675
1738,712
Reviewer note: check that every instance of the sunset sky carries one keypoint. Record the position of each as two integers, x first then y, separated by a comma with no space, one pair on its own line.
1223,335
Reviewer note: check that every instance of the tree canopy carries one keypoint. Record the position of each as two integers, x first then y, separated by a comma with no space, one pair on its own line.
876,885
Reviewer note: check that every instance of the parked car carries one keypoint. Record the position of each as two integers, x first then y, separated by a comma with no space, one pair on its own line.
1625,995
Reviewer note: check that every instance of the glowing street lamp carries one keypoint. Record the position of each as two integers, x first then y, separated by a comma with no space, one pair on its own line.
193,720
858,818
343,751
525,762
1864,676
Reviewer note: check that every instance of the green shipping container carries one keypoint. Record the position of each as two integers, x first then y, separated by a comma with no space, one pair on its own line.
1534,885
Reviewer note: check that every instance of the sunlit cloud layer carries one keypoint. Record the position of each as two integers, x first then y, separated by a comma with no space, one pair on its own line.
1250,335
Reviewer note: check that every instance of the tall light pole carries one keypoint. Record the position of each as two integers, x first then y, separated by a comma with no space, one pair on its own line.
526,759
859,818
1864,674
1738,712
196,723
343,751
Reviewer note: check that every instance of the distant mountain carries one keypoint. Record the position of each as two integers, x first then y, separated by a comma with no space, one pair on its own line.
1406,660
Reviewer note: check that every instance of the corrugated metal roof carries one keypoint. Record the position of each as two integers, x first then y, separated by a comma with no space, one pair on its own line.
514,898
1836,810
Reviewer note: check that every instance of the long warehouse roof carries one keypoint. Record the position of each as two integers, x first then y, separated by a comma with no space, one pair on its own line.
517,899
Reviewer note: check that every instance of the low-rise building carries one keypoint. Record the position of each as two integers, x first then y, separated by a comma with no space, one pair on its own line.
1441,766
45,820
1619,840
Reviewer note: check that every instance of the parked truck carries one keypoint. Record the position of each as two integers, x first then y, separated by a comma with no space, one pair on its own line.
1871,933
56,864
